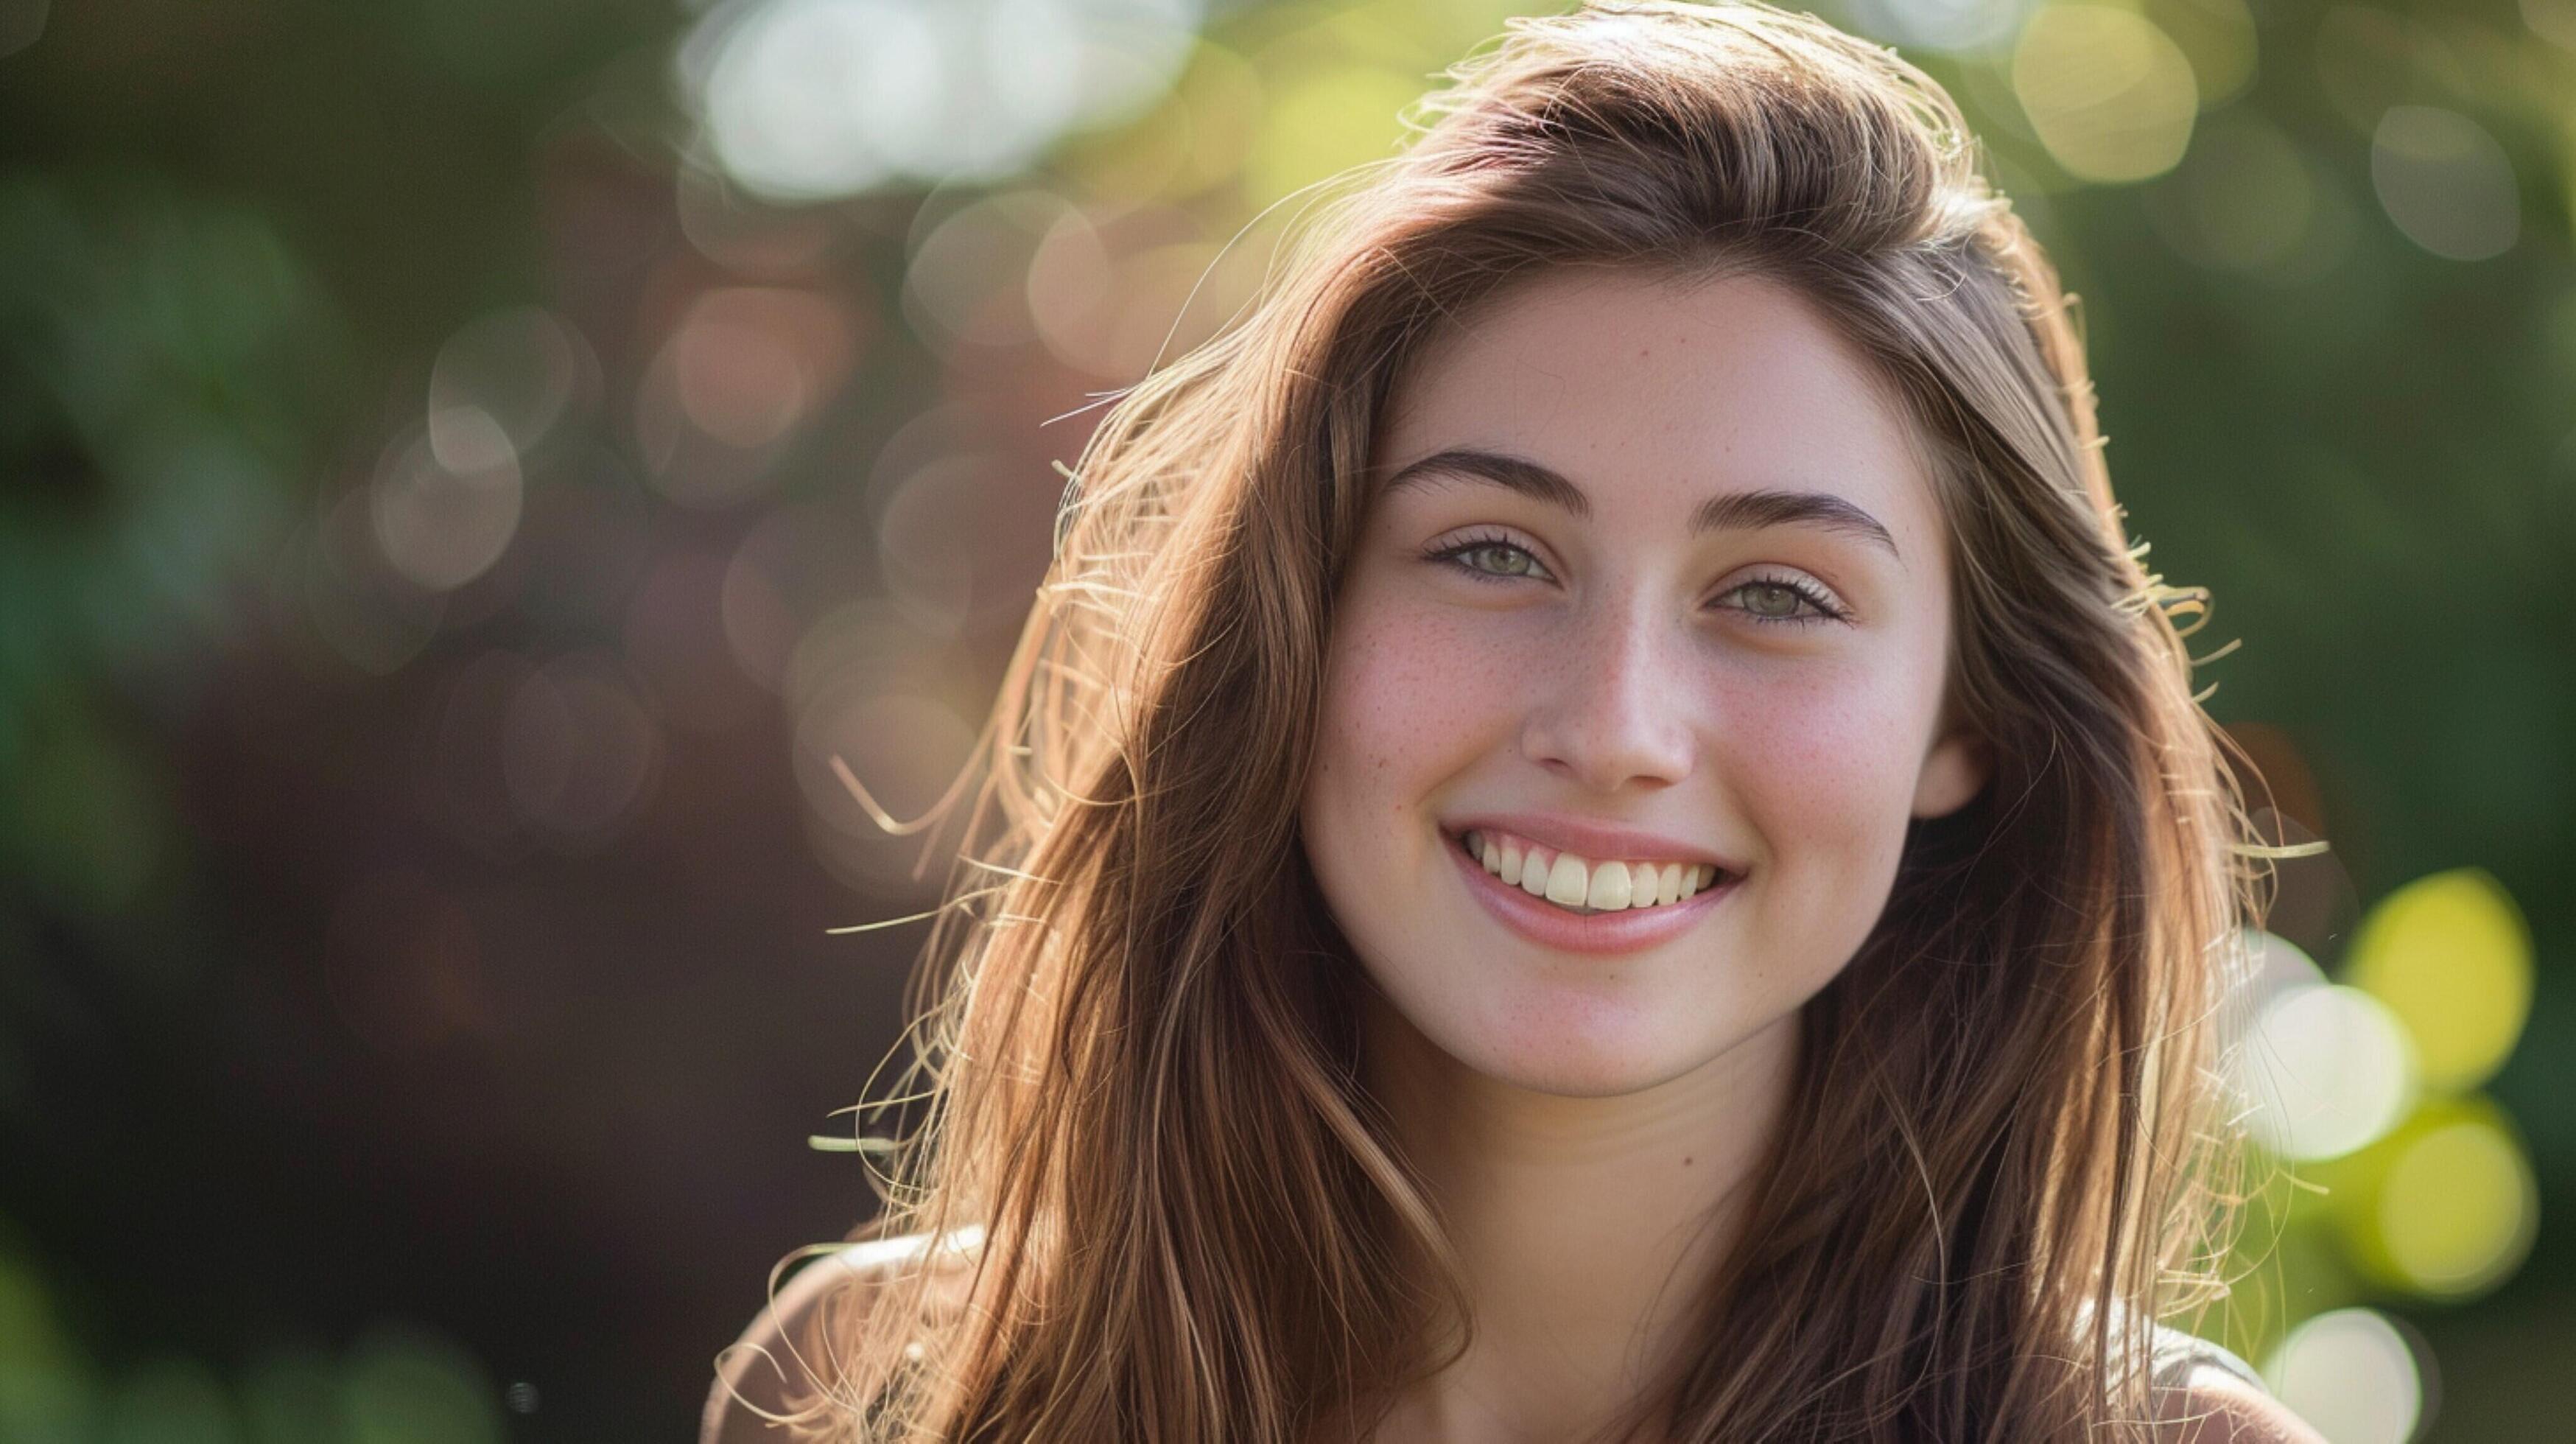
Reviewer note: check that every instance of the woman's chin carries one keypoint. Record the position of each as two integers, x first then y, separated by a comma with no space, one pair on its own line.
1573,1059
1544,1037
1605,1078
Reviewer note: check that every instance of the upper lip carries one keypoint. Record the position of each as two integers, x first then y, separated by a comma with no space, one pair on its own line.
1595,841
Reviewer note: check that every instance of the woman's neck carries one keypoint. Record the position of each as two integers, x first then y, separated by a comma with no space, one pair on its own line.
1585,1225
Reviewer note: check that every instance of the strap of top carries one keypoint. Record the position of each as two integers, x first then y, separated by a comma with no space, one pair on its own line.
2177,1353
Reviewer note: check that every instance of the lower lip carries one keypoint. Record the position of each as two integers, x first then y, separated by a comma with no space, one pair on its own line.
1626,931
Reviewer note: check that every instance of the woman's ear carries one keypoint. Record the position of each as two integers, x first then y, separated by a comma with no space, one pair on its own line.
1954,771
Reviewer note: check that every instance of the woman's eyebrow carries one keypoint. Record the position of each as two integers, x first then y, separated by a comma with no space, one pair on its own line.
1733,510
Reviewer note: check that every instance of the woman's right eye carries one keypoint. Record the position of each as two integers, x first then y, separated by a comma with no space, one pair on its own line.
1503,560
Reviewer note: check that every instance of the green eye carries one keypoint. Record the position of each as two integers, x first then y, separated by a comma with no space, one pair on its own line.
1772,599
1513,561
1776,601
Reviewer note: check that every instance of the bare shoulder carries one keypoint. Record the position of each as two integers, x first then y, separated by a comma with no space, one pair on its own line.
2214,1406
757,1373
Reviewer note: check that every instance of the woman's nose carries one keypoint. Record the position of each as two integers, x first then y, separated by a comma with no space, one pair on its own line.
1612,705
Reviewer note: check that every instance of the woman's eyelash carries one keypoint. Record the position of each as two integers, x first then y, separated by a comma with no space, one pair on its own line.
1825,608
1808,592
1471,545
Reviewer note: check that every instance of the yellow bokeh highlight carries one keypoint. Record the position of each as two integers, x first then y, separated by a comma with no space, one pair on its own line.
2216,36
2108,93
2450,955
2453,1208
1323,121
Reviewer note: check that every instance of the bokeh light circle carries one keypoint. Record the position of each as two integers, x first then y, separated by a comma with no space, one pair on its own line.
743,371
2352,1376
2451,956
2327,1070
2110,95
524,369
2259,967
905,748
969,277
2457,1205
2445,182
864,640
1954,27
791,97
811,99
446,501
2552,20
2220,40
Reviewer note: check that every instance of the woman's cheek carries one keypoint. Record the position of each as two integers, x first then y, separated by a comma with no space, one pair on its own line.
1401,703
1411,695
1824,768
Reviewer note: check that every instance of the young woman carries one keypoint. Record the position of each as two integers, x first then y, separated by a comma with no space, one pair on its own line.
1597,835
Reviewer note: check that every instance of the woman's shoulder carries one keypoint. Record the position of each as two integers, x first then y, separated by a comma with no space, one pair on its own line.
753,1374
2202,1392
2205,1394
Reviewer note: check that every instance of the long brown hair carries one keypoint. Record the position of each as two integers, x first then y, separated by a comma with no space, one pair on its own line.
1170,1211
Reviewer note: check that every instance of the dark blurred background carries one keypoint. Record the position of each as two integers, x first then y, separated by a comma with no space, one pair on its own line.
467,467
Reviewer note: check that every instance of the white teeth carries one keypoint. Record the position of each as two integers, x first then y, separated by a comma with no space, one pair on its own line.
1573,882
1610,887
1567,884
1535,872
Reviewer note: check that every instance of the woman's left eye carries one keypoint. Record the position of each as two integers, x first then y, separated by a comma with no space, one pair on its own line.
1778,600
1528,565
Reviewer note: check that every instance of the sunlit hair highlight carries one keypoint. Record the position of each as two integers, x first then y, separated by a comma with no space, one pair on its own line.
1134,1104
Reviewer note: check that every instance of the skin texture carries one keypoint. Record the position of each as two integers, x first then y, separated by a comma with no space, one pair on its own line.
1585,1123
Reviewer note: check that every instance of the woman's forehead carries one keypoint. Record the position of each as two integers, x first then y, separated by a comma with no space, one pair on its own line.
1627,382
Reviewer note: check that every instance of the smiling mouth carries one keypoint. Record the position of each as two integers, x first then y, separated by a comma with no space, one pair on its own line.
1649,886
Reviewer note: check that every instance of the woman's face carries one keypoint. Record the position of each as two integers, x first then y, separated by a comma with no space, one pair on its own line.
1678,596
